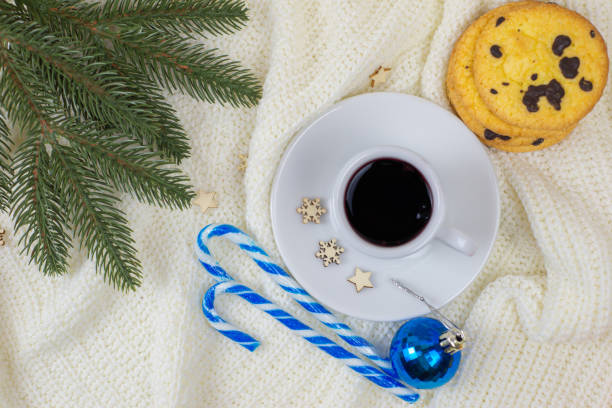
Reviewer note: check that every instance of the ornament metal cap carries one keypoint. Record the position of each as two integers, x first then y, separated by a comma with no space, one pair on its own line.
452,340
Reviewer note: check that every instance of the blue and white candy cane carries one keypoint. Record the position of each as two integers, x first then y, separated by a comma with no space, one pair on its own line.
387,379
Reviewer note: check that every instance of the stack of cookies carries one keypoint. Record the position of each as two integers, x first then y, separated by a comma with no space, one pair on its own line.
523,75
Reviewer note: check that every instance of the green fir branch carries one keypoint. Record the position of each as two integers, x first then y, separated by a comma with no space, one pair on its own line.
16,96
173,142
179,18
91,205
189,68
38,209
173,62
101,228
50,184
81,83
89,86
184,18
127,166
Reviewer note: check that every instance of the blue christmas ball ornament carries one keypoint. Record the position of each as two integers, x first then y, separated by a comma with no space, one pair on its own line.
417,356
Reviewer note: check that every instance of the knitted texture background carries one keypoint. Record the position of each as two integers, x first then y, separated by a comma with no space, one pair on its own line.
540,312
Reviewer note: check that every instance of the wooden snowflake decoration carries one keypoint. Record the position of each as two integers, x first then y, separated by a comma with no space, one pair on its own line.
311,210
329,252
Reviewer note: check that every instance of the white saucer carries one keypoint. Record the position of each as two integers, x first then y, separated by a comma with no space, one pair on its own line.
309,169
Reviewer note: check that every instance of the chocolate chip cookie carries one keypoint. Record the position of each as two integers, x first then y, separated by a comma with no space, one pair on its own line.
469,105
541,67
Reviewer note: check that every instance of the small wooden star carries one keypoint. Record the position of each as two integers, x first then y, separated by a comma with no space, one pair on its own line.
329,252
311,210
243,162
361,279
205,200
379,76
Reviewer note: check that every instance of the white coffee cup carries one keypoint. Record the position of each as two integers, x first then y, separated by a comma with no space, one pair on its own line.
436,228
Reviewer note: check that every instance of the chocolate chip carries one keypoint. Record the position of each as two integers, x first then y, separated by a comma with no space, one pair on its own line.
522,91
537,141
499,21
554,94
561,42
534,77
467,66
494,91
592,34
505,83
569,66
532,97
553,91
490,135
585,85
496,51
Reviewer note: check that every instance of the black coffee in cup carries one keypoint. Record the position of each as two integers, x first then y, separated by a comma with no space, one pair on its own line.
388,202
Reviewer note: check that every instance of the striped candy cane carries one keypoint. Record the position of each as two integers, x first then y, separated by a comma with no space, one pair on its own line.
387,380
287,283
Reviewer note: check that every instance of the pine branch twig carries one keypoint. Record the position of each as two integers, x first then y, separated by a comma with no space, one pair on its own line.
6,174
102,228
176,64
89,86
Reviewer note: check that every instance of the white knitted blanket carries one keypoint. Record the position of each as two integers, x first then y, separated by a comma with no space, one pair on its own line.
540,312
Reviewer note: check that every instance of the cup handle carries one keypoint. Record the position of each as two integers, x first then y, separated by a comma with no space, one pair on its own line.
457,240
